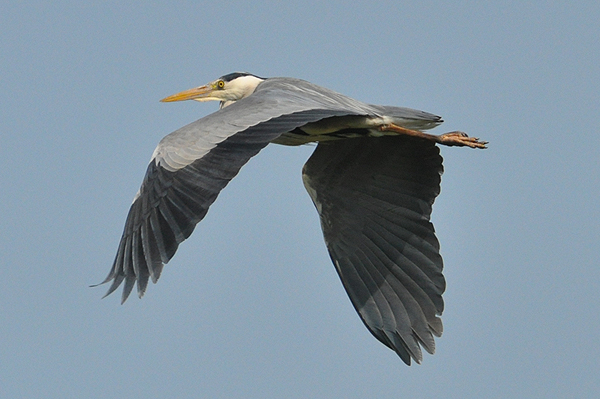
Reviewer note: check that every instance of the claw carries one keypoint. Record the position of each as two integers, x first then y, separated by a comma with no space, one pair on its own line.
461,139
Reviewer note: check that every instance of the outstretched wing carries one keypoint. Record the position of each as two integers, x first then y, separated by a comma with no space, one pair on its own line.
374,198
171,202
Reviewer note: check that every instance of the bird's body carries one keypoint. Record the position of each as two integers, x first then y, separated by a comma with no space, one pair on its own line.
373,179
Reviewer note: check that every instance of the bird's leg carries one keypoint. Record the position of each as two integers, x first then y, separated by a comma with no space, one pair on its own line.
456,138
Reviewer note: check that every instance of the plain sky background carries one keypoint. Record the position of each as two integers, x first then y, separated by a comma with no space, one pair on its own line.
251,306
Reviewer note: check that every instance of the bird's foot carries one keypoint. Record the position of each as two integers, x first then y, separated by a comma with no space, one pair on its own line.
460,139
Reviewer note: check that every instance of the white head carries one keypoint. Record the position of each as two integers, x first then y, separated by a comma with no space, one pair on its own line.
227,89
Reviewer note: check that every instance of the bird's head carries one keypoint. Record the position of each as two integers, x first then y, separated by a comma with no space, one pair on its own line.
227,89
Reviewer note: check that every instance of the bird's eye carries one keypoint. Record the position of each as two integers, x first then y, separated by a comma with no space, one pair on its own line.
220,84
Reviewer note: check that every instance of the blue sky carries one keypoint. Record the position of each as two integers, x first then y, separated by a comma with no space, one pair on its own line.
251,306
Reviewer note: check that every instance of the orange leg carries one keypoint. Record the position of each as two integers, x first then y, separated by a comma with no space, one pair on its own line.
458,139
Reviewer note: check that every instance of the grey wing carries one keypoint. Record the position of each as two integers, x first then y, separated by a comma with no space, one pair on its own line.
189,169
374,198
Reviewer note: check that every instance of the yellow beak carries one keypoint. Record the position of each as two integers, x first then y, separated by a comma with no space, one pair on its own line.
202,93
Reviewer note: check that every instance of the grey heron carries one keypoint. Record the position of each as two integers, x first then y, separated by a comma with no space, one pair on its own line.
373,178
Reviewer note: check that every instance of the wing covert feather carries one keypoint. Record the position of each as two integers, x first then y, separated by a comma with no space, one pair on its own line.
272,99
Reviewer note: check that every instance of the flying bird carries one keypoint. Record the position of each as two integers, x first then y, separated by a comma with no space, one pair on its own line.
373,178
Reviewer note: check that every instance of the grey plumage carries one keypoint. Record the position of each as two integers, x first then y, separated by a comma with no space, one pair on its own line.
372,188
374,198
